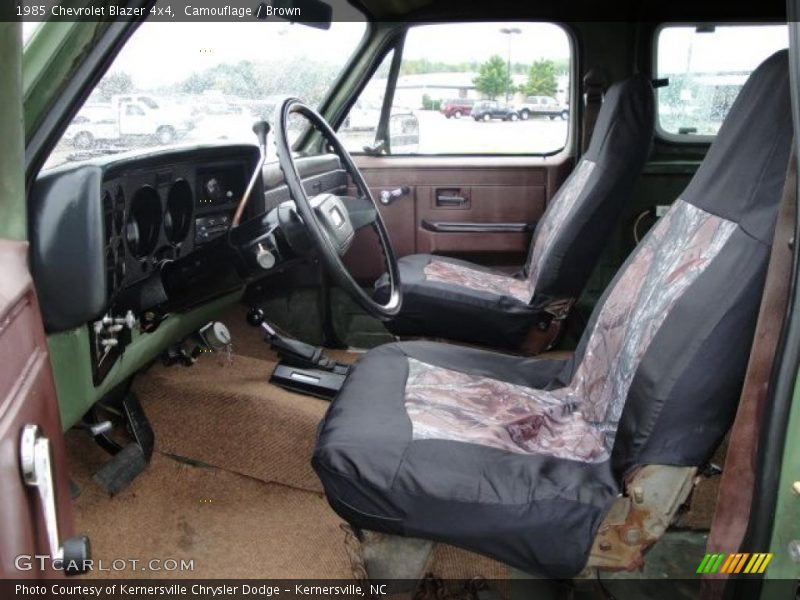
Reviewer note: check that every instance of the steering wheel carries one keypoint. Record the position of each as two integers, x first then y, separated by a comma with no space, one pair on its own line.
332,221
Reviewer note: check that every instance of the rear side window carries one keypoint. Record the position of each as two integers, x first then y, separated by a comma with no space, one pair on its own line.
706,67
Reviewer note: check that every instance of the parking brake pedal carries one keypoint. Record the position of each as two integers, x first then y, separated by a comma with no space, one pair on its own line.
303,368
130,460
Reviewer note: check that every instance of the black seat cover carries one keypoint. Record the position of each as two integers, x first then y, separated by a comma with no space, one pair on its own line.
519,458
446,297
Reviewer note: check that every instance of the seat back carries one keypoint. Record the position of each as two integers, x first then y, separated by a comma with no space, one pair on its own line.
662,360
582,214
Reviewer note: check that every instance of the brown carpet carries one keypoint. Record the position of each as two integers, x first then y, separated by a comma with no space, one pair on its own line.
229,525
230,417
449,562
257,509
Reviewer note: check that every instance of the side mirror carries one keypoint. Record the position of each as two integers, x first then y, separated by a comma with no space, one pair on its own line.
404,133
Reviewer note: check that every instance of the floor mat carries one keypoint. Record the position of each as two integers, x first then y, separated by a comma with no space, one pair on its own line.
230,526
229,416
449,562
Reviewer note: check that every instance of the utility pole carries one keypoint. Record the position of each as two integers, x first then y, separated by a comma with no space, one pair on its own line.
509,31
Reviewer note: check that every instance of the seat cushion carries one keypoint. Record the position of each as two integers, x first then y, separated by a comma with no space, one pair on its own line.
457,300
454,299
480,280
387,463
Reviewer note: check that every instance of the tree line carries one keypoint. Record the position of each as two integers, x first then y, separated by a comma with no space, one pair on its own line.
248,79
494,78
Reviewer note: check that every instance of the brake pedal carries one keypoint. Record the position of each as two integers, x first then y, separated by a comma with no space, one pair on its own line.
122,469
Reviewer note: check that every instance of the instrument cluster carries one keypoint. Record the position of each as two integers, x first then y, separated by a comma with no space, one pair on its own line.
163,214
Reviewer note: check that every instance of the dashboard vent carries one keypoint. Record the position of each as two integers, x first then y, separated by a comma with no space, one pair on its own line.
114,222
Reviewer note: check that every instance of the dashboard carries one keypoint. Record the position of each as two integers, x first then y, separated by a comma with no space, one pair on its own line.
117,235
153,214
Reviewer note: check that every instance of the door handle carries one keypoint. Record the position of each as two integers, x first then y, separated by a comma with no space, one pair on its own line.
37,472
451,199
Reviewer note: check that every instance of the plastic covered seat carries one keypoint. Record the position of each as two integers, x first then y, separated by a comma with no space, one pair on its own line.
520,458
455,299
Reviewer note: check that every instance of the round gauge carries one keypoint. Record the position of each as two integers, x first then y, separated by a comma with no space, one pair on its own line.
144,221
178,216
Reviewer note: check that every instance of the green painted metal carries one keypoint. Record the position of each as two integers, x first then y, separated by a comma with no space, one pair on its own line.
12,175
72,368
786,528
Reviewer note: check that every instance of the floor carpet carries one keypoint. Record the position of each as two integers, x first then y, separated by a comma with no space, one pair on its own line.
229,525
254,508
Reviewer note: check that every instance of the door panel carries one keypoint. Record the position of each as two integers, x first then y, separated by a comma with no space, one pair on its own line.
490,203
27,396
481,209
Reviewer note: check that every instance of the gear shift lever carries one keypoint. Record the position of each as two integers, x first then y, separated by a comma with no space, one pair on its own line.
261,129
294,352
302,368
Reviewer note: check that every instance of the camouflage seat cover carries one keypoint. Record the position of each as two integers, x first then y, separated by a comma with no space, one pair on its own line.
519,458
455,299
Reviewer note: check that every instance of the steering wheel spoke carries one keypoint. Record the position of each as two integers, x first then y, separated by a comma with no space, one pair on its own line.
332,221
361,210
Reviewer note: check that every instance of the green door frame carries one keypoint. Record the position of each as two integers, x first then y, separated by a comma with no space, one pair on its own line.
13,224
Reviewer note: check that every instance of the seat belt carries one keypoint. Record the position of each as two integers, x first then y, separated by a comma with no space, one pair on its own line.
595,83
735,494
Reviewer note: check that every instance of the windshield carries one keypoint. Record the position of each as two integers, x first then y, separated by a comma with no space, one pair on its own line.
204,83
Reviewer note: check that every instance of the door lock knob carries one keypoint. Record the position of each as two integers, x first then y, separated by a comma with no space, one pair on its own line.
388,196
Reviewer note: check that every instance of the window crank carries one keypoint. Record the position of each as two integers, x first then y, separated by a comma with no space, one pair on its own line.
388,196
73,555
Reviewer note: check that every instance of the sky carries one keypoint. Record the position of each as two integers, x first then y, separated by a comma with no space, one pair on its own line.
161,53
729,48
477,41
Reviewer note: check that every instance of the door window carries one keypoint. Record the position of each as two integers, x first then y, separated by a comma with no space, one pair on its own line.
442,64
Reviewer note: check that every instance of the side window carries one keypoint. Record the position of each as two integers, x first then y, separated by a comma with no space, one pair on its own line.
706,67
456,96
361,123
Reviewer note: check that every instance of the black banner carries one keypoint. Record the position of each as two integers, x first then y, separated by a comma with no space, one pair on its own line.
317,11
619,586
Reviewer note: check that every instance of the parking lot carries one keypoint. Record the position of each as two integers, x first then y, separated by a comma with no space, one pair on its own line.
437,135
440,135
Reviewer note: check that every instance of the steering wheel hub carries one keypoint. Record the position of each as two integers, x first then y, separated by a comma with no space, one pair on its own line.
331,221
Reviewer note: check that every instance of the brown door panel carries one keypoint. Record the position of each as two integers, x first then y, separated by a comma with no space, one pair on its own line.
27,396
486,204
365,258
447,192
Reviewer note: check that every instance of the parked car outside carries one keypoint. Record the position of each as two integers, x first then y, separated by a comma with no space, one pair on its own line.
486,110
92,124
126,118
542,106
457,108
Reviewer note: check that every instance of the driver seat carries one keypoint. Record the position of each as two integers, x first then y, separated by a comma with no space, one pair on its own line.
521,458
457,300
